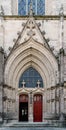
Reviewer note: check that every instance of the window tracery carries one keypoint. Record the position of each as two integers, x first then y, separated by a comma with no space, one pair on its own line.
30,77
37,5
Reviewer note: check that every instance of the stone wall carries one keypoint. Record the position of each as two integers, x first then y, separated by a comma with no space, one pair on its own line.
6,4
9,102
53,6
11,33
1,82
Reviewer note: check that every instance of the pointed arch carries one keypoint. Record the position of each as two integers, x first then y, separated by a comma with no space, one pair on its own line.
31,54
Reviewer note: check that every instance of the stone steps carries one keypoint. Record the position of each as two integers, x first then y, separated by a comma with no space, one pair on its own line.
29,124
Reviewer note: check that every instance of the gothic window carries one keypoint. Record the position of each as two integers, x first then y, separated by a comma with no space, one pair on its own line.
37,5
30,77
22,7
40,7
33,4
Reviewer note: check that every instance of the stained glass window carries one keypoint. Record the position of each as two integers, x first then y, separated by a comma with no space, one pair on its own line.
22,7
40,7
33,5
30,77
37,5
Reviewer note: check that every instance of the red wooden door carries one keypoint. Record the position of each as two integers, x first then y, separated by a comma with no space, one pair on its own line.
37,108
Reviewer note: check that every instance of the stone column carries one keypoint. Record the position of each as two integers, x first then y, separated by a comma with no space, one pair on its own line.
30,107
61,83
61,67
17,107
43,112
44,104
1,82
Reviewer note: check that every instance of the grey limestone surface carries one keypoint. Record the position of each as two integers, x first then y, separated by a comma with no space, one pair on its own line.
31,128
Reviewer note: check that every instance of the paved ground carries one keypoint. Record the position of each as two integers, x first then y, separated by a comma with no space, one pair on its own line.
44,128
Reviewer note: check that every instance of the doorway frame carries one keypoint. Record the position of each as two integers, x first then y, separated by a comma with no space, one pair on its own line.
19,106
34,91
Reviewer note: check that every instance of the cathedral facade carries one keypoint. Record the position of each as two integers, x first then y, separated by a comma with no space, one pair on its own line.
32,60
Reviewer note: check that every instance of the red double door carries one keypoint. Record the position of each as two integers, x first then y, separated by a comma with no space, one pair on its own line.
37,108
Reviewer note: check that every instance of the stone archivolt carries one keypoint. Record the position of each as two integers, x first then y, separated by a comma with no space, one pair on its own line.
29,54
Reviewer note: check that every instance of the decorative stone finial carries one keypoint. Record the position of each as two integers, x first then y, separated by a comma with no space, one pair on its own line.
47,39
14,40
61,10
1,10
31,9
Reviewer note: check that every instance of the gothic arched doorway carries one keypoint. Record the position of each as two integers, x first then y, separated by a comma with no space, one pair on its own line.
37,108
23,107
30,79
